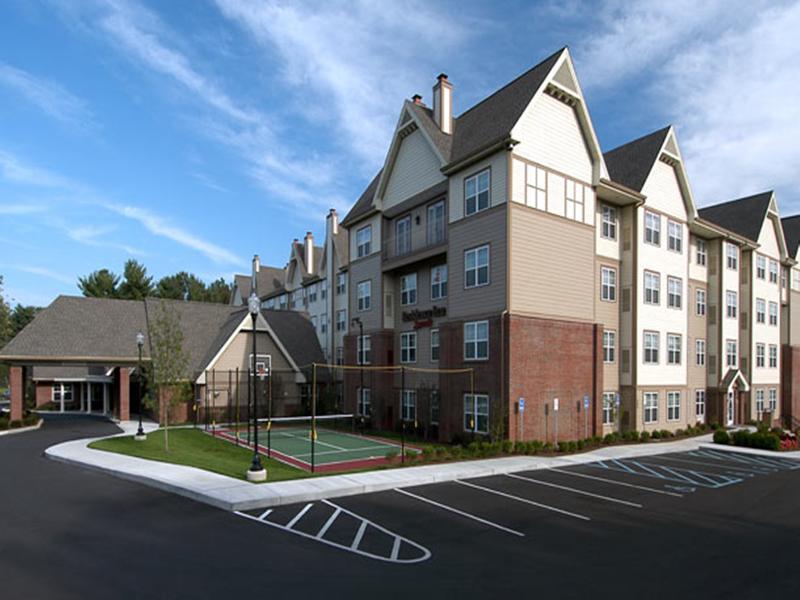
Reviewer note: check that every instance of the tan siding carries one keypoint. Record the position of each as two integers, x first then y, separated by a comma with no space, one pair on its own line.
697,376
607,313
416,168
498,163
361,270
237,354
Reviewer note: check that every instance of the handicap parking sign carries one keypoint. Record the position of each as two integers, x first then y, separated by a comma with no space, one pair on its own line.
586,401
521,404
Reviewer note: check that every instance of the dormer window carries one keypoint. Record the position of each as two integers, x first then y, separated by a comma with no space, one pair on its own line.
476,192
364,241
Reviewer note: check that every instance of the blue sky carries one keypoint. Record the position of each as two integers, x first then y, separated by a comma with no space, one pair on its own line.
190,135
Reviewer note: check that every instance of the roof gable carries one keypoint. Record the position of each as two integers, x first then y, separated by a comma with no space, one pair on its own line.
791,233
743,216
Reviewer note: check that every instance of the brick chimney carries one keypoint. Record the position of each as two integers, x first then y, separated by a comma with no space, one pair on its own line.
308,251
416,99
443,104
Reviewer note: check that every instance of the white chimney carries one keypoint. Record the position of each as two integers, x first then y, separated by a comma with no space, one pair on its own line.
256,269
333,222
443,104
308,247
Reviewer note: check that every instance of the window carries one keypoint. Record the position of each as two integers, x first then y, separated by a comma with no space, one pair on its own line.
323,289
364,295
341,320
761,310
759,401
773,313
773,356
439,282
731,304
408,347
700,303
476,193
323,323
731,353
608,408
650,407
341,284
408,289
795,279
700,353
701,256
476,267
651,343
674,292
476,340
339,355
760,355
732,254
674,349
314,322
312,293
297,299
364,241
409,408
62,391
434,344
675,236
784,277
652,228
402,230
773,271
608,284
761,266
364,408
609,346
436,223
608,229
773,400
652,288
476,413
700,404
363,349
269,303
282,302
673,406
435,407
574,201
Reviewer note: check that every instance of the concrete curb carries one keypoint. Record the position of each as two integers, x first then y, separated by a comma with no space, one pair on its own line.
22,429
234,494
791,455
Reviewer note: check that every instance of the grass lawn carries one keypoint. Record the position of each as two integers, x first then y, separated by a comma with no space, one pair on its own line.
192,447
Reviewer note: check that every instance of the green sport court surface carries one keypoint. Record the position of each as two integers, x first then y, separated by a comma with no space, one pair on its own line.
334,450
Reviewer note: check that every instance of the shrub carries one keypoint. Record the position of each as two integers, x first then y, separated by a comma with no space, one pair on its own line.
456,452
631,436
765,440
645,436
580,445
507,446
721,437
666,433
391,455
680,433
441,452
609,438
411,455
547,447
656,435
15,424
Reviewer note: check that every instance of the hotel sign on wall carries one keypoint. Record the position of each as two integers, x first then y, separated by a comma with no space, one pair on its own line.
424,318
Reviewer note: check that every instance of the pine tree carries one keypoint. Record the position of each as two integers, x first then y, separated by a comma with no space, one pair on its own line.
99,284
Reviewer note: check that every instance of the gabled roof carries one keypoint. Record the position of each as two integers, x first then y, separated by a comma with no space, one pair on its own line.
631,163
743,216
791,231
442,140
268,279
297,334
363,205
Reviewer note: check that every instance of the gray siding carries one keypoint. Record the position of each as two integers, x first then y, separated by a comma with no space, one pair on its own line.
360,270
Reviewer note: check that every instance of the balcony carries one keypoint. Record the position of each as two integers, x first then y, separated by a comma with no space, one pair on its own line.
419,243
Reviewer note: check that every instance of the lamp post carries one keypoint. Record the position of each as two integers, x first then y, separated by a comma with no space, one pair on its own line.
140,434
256,472
360,340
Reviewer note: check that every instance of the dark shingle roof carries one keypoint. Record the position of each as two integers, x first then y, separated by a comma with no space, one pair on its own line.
791,232
268,279
443,141
364,204
67,372
744,216
631,163
297,334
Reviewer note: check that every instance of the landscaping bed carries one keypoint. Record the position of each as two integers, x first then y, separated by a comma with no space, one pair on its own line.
28,420
764,438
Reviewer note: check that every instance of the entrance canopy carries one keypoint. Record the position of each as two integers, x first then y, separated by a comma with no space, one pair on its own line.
732,377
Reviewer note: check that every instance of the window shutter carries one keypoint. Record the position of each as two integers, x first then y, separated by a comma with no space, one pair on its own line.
743,363
712,314
712,364
745,320
388,305
626,299
626,361
626,238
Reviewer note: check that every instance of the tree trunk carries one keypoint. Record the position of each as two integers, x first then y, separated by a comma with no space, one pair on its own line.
166,428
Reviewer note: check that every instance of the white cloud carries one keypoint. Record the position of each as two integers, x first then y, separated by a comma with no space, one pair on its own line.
20,209
44,272
91,235
15,171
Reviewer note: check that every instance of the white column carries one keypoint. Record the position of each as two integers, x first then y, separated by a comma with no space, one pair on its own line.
105,398
62,397
89,398
80,394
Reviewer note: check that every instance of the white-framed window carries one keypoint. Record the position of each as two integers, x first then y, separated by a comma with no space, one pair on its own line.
609,346
364,295
314,321
608,284
402,232
312,293
773,271
323,289
574,200
784,278
434,344
408,347
297,299
761,266
364,241
436,223
773,400
435,403
537,187
652,288
796,279
674,349
364,408
761,310
759,401
363,349
700,302
673,406
608,228
701,256
476,340
731,304
408,289
341,320
269,303
651,344
339,355
62,391
609,400
700,353
773,356
732,256
760,355
700,404
731,353
439,282
341,284
773,313
650,401
652,228
476,192
409,405
675,237
476,413
283,302
323,323
674,292
476,267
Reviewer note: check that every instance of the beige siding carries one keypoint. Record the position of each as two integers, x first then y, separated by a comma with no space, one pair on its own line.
552,266
498,163
361,270
607,314
698,329
416,168
237,354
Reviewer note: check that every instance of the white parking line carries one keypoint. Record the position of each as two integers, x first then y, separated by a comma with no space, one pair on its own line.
575,490
615,482
298,516
328,523
359,534
265,514
459,512
740,471
524,500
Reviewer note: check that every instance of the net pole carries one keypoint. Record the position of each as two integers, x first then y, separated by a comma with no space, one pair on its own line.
228,398
269,413
402,420
249,402
313,414
205,416
238,381
214,396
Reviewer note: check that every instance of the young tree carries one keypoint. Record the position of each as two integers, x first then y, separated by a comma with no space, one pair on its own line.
182,286
169,365
5,318
21,316
218,291
99,284
136,284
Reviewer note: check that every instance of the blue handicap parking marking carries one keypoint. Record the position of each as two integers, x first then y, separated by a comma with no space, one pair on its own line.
691,477
774,463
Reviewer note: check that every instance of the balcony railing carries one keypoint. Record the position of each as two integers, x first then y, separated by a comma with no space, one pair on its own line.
416,240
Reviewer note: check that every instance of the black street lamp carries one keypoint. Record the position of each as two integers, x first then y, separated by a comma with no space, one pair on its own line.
359,360
257,472
140,435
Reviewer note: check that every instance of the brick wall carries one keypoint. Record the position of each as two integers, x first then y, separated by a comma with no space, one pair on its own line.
44,393
385,398
790,384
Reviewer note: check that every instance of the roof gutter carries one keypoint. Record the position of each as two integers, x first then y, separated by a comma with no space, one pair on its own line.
726,233
75,359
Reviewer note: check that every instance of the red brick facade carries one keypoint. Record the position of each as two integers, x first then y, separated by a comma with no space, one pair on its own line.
15,381
123,394
790,392
44,393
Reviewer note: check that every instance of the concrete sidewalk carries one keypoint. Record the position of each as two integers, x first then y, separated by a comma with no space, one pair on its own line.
234,494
